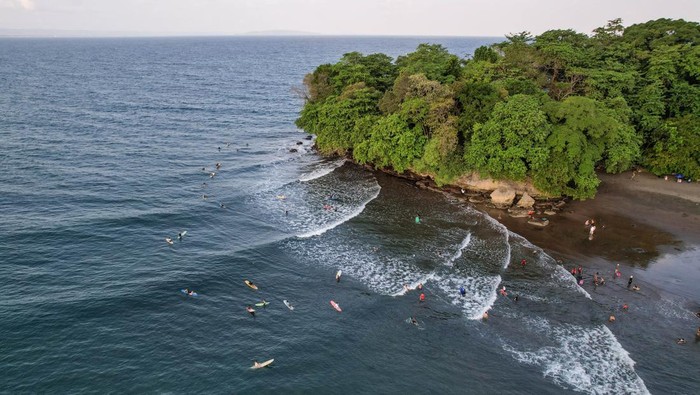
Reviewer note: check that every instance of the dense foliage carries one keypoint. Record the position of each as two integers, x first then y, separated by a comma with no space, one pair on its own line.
551,109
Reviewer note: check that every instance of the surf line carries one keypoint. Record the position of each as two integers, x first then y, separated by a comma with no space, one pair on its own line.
451,262
332,225
318,173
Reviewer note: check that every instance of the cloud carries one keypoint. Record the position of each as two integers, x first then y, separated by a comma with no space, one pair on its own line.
27,4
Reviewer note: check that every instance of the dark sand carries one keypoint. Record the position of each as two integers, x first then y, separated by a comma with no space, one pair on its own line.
650,226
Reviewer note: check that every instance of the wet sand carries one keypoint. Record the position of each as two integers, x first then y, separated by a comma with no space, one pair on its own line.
648,225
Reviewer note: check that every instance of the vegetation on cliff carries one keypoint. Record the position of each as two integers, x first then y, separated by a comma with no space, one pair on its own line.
550,108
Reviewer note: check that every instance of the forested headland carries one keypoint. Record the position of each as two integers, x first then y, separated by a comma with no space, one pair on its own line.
549,109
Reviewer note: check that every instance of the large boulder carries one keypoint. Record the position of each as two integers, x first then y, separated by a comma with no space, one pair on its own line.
503,197
526,201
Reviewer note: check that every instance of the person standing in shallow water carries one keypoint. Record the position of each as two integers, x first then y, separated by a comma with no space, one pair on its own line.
629,282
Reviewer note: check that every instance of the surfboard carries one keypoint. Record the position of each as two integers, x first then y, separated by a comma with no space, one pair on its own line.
169,241
289,305
248,283
336,306
263,364
185,292
262,304
184,232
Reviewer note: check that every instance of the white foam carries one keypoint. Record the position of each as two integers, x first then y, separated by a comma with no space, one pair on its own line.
451,262
589,360
502,228
481,292
353,214
322,170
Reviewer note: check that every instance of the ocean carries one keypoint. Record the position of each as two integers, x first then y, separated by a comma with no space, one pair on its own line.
109,146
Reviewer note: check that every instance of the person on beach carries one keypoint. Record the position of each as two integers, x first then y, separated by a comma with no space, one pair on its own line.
462,291
590,232
629,282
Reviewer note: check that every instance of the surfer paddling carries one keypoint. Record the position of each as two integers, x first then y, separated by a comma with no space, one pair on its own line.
250,311
337,276
169,240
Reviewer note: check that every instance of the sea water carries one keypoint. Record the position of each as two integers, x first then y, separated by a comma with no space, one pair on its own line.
107,148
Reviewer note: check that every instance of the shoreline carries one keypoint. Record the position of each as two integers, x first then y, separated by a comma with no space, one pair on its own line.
641,220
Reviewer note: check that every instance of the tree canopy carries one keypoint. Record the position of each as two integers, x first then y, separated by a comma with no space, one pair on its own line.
551,108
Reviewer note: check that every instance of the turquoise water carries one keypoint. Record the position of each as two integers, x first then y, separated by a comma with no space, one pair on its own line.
103,143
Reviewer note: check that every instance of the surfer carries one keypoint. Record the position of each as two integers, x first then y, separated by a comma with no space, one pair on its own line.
462,291
204,197
179,236
337,276
680,340
250,310
218,165
222,205
212,174
414,321
264,303
169,240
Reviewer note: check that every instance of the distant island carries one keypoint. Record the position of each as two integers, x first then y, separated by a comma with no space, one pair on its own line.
548,110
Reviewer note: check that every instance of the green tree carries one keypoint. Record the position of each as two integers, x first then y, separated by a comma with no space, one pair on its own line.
433,61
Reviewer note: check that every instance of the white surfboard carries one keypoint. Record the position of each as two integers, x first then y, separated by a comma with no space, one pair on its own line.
289,305
263,364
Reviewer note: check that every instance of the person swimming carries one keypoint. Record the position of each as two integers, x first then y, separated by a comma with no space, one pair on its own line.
503,291
462,291
422,297
611,318
414,321
680,340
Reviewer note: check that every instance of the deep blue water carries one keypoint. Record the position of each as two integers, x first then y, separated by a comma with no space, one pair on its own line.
102,147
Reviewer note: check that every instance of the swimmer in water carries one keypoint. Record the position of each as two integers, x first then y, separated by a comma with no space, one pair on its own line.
414,321
635,287
212,174
250,310
680,340
462,291
485,316
611,318
179,236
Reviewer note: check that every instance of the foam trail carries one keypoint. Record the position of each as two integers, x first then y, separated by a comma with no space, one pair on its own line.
451,262
604,369
411,286
566,277
481,292
506,233
321,171
332,225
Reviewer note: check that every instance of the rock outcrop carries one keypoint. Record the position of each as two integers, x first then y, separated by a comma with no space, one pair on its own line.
526,201
503,197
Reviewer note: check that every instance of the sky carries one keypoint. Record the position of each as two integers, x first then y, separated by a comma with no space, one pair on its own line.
331,17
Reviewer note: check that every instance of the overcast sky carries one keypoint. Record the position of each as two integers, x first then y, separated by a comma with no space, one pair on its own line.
336,17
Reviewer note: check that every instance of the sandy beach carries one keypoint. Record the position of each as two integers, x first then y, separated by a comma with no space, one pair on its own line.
649,225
